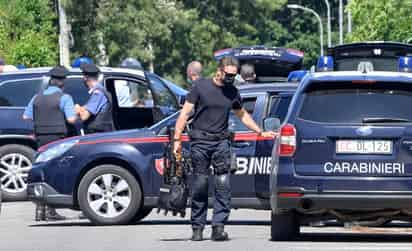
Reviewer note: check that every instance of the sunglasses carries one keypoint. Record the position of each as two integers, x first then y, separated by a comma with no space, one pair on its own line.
229,74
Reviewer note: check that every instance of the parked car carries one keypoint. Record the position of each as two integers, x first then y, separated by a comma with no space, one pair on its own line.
344,152
149,100
270,63
74,173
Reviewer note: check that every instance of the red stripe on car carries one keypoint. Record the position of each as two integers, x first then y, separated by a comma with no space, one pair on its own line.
165,139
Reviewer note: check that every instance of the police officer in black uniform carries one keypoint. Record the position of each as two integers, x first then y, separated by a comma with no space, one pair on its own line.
52,112
96,114
212,101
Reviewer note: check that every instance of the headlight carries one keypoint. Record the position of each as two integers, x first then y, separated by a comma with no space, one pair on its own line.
55,151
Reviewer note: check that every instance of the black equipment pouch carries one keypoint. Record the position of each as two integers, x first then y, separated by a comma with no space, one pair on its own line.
174,191
222,160
233,162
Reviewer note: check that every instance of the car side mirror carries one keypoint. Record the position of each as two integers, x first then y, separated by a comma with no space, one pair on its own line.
271,124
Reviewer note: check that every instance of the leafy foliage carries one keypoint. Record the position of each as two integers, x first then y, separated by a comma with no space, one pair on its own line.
28,32
168,34
388,20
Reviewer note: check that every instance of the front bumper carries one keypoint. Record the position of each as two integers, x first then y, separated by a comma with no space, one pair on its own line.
343,200
41,192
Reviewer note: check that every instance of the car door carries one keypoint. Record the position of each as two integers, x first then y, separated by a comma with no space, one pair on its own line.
242,181
133,103
278,105
15,95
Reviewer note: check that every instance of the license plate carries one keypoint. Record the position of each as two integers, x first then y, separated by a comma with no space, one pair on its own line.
364,146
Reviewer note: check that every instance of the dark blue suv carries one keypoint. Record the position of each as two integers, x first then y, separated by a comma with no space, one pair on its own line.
344,152
140,99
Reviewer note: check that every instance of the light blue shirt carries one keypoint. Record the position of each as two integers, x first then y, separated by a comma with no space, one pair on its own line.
66,103
97,101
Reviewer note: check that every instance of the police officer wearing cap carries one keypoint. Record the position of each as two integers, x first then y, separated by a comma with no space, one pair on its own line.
96,114
210,144
52,112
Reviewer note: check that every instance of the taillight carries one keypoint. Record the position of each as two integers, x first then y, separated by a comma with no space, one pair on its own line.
287,146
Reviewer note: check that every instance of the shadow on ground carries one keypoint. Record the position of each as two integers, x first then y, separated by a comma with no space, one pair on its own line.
146,222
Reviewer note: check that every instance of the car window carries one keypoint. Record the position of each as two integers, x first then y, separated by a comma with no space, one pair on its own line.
279,106
132,94
376,64
162,95
76,88
235,124
354,103
18,93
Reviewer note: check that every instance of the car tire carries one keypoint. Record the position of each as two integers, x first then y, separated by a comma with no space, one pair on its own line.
15,165
109,195
142,213
284,227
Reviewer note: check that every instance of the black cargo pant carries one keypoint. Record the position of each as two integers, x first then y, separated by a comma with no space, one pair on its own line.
205,153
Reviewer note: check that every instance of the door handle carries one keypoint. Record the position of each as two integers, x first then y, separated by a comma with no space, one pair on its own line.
242,144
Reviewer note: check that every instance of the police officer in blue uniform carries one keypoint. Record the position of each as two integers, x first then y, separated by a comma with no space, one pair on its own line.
96,114
212,101
52,113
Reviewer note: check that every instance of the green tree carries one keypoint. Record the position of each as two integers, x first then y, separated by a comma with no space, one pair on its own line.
28,34
168,34
388,20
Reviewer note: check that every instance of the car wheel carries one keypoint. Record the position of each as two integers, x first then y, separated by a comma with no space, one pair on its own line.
284,227
15,164
109,195
143,212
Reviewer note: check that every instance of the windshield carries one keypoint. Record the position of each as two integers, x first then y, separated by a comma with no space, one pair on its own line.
378,64
170,120
367,103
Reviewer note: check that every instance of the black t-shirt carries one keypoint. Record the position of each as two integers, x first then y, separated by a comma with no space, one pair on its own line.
213,105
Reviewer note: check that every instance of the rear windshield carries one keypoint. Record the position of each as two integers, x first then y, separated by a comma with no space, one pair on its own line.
353,103
376,64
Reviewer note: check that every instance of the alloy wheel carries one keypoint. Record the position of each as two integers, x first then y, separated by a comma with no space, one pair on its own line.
14,170
109,195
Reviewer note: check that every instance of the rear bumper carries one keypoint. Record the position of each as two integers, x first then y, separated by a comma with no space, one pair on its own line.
43,193
308,201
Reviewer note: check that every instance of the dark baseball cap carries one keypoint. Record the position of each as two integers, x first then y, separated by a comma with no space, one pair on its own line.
90,69
59,72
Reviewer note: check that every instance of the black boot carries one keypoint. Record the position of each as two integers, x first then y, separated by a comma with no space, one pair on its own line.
197,234
52,215
219,234
40,212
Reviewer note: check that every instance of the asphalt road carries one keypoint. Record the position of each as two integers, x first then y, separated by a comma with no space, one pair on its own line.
248,229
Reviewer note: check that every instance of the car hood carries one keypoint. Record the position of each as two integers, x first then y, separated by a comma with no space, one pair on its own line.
104,137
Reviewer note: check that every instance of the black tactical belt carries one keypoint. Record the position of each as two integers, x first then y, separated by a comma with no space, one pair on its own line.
203,135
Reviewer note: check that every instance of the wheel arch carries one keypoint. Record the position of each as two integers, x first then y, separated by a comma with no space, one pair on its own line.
25,141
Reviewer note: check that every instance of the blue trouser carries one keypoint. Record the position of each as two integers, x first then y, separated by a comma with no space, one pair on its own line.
204,154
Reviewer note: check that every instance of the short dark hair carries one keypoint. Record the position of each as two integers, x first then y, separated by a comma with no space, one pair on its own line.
247,71
228,61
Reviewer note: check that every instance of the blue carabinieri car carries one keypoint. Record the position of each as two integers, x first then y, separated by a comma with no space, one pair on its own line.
344,152
114,178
